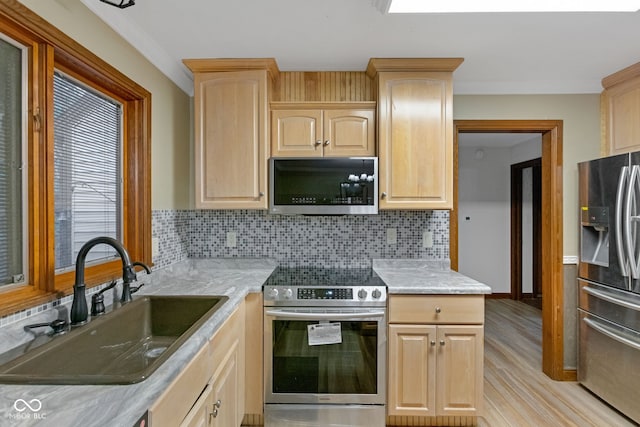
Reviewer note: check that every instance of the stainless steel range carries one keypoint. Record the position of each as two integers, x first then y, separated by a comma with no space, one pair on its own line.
324,348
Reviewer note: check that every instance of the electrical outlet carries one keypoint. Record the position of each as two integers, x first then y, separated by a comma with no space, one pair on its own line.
427,239
155,247
231,239
392,236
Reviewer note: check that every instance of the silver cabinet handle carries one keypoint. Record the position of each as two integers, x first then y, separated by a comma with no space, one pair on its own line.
442,342
261,194
318,142
216,406
438,310
326,143
383,195
432,342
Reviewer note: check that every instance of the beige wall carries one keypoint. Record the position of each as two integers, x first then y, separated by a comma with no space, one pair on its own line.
170,125
581,137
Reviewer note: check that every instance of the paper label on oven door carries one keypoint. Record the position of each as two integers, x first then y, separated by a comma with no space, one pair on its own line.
325,333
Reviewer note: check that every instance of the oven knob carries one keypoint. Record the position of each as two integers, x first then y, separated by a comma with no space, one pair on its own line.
273,293
362,294
376,293
288,293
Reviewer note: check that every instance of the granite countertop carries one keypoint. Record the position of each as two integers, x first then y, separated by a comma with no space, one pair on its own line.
123,405
417,276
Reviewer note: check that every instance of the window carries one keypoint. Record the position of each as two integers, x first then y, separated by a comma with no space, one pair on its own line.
74,162
86,170
11,176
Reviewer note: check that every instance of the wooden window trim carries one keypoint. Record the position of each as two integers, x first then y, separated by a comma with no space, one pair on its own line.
51,49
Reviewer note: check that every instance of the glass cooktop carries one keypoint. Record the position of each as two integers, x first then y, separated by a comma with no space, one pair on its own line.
319,276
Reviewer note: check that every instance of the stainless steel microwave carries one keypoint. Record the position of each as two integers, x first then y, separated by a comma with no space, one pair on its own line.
323,186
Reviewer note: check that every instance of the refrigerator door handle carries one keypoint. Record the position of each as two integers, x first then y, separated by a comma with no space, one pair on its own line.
623,258
629,221
598,326
604,295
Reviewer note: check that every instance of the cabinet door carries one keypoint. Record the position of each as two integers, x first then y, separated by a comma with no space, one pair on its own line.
412,370
415,140
225,392
231,140
176,401
200,414
296,133
622,103
460,370
349,133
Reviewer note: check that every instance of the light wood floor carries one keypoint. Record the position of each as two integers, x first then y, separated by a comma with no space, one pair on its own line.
517,393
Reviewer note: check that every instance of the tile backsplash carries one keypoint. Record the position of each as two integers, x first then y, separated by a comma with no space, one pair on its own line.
345,241
335,241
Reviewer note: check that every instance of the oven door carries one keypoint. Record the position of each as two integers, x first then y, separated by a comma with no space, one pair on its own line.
325,355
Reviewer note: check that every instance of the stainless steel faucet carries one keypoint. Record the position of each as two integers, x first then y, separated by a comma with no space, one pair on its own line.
79,312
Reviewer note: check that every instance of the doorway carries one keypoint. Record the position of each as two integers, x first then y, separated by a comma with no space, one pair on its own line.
526,223
551,228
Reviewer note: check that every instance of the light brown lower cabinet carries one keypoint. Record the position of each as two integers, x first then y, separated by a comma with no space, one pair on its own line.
210,390
435,369
198,416
218,403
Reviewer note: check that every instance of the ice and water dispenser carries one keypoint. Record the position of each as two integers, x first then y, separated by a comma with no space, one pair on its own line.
594,226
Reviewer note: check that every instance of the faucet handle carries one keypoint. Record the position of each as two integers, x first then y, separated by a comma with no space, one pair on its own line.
97,300
110,286
135,289
143,265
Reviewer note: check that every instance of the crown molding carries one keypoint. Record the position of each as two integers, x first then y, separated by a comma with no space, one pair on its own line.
118,20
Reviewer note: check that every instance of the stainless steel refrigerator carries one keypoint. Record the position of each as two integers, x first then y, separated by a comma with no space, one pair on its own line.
609,281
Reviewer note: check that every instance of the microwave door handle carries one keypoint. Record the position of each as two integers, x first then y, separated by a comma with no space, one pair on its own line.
623,258
323,315
629,234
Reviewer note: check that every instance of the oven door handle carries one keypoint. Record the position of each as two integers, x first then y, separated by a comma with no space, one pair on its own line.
323,315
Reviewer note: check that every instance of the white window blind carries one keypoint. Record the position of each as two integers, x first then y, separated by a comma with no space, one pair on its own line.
87,168
11,228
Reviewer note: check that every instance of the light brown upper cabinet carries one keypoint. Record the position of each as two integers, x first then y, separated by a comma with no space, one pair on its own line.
231,132
620,109
327,130
415,131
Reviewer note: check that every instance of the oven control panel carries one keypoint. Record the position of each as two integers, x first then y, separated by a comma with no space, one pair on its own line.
325,293
309,295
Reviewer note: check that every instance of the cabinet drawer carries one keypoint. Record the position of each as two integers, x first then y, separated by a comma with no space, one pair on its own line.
450,309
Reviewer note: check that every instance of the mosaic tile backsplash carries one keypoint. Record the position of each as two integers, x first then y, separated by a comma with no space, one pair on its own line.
336,241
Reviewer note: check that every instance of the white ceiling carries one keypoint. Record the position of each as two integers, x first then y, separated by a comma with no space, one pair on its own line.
505,53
